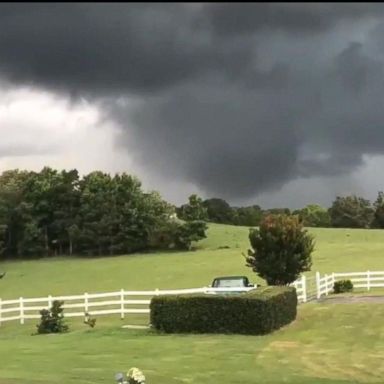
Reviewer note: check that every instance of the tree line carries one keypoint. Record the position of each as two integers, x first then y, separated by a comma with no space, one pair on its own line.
55,212
345,212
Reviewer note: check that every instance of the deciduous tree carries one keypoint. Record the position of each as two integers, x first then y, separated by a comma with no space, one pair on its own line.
281,249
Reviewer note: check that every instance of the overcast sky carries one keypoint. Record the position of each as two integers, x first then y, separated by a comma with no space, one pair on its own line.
269,104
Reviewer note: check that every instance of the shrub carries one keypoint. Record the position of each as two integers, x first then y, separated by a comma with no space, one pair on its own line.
52,320
91,321
281,249
133,376
256,312
343,286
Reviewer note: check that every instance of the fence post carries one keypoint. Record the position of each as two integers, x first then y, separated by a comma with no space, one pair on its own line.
21,306
122,304
157,292
304,288
318,294
49,302
0,311
333,279
326,285
86,302
368,281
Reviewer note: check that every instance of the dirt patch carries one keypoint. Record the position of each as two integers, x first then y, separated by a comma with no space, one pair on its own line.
283,345
353,299
134,327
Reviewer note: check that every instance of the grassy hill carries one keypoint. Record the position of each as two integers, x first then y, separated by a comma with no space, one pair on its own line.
337,250
328,344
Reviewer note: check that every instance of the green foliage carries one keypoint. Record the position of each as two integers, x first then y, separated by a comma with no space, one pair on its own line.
194,210
52,320
281,249
314,216
56,213
378,221
277,211
248,216
190,232
343,286
351,212
176,234
256,312
219,211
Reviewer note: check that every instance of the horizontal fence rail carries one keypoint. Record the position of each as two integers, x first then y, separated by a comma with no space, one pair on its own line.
367,280
137,302
120,302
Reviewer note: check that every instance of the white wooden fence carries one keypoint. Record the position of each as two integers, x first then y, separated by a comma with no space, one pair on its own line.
121,302
367,280
137,302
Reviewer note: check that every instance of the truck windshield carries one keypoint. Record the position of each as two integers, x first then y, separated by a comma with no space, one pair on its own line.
225,283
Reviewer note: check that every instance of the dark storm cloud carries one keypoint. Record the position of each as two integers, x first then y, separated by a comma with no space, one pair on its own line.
219,141
245,18
110,47
235,98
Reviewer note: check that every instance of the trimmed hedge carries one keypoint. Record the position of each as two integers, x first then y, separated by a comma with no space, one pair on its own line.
257,312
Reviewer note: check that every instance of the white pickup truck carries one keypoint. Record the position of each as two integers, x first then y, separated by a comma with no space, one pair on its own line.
231,284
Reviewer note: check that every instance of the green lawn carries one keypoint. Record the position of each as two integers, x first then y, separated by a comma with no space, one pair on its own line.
337,250
328,343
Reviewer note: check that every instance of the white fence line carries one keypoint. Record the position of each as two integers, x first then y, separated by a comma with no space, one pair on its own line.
368,279
121,302
118,302
301,289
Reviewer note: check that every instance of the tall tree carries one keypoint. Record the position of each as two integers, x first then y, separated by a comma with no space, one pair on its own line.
13,209
351,212
314,215
378,221
281,249
249,216
95,213
194,210
218,211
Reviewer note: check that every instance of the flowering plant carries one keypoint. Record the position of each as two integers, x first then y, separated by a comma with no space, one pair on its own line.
133,376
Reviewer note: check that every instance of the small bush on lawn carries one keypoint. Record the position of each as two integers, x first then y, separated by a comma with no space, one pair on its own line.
52,320
256,312
91,321
343,286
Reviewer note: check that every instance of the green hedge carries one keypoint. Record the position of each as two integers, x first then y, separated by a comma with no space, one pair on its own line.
343,286
256,312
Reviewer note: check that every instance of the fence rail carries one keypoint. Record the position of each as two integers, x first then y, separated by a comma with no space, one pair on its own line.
120,302
137,302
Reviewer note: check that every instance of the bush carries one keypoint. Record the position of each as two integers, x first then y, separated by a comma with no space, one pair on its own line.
256,312
52,320
91,321
343,286
281,249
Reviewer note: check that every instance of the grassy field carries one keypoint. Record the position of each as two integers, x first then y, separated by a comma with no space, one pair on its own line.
337,250
328,343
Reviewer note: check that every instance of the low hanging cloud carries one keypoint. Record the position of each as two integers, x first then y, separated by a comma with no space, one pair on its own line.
38,129
237,99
